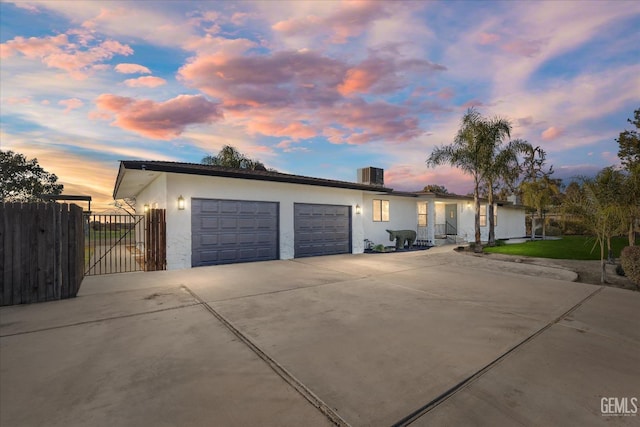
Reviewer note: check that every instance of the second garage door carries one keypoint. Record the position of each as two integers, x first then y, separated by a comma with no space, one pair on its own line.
229,231
321,229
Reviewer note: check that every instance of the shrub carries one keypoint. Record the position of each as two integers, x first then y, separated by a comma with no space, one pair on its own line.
501,242
574,228
630,261
620,270
379,248
550,230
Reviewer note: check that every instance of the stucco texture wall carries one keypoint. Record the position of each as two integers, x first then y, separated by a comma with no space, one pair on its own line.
154,195
403,215
194,186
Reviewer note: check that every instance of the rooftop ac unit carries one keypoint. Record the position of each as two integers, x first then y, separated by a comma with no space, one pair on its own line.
371,176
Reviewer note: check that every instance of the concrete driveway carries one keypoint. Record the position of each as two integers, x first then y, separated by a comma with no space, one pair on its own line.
420,338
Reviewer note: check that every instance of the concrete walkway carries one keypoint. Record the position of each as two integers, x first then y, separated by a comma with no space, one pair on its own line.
421,338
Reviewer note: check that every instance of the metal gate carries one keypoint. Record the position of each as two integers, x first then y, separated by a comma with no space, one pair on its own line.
121,243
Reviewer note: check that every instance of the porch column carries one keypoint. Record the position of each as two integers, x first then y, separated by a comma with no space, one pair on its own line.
431,222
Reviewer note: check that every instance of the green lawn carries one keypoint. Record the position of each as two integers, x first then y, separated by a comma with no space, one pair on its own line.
569,247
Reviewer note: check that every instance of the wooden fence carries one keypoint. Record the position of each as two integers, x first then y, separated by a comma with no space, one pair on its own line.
41,252
156,240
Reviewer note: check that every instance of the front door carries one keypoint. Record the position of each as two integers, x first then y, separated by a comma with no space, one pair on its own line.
451,219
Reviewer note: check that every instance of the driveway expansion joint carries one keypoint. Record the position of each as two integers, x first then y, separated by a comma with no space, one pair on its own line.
282,372
123,316
415,415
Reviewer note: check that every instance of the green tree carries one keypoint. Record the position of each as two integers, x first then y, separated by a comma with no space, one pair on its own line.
539,195
629,154
629,143
23,180
434,188
467,153
538,189
631,200
598,210
230,157
500,168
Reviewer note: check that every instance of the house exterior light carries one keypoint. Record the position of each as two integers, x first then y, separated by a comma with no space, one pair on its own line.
358,210
146,207
181,203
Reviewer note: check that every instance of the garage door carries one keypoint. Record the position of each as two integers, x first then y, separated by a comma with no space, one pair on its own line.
321,229
229,231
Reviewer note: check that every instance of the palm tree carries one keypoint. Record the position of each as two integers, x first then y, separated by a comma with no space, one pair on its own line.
466,153
538,194
501,164
613,188
597,211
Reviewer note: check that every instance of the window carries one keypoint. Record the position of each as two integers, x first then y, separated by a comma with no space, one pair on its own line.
380,210
483,215
422,214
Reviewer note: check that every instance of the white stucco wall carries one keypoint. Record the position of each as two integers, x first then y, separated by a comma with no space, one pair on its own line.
403,215
154,194
511,222
194,186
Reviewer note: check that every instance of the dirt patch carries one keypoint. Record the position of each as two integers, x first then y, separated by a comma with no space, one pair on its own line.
588,271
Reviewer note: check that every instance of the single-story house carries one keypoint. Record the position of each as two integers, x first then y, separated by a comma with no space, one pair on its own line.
217,215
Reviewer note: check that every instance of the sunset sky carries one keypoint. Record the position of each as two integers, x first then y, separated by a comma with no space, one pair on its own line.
312,88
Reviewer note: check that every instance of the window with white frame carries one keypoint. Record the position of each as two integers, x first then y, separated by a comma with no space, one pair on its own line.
422,214
483,215
380,210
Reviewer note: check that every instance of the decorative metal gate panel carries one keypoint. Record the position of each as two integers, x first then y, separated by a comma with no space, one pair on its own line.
121,243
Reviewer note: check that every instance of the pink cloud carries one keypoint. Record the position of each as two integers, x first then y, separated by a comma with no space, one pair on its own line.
159,120
297,26
71,104
472,103
446,93
283,78
146,81
487,38
27,6
350,19
18,101
58,52
221,47
357,80
552,133
295,130
309,89
239,18
126,68
33,47
525,121
528,48
381,74
412,178
364,122
105,15
287,146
